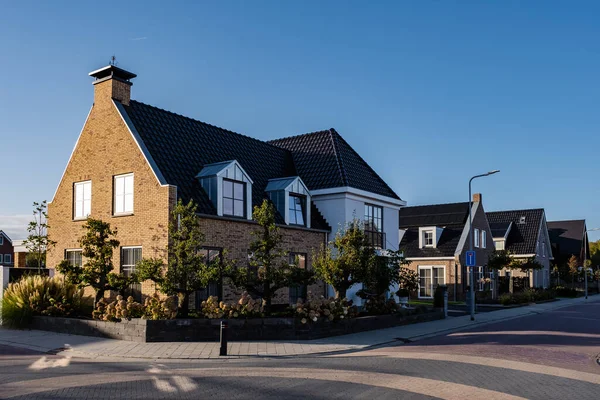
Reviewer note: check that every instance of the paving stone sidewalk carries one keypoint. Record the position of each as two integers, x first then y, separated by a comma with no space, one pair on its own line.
99,348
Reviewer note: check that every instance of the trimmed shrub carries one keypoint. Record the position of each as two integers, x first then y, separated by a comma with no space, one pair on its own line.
246,307
562,291
42,295
118,309
156,307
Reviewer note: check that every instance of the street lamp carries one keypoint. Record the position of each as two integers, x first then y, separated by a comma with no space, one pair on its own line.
585,250
472,274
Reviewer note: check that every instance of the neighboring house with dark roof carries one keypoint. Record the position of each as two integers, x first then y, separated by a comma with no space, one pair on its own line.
435,239
6,250
133,161
568,238
524,233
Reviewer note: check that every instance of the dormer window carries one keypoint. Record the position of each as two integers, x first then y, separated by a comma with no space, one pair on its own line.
297,207
234,198
291,198
229,188
428,239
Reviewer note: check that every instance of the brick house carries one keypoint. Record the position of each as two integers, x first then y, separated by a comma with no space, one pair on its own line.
132,161
6,250
524,233
435,239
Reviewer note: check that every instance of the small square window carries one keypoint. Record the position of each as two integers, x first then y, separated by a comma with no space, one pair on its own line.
428,239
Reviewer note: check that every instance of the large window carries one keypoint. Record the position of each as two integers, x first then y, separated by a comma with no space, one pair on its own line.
82,199
234,199
299,291
123,194
429,278
210,255
297,210
479,277
374,225
74,257
130,256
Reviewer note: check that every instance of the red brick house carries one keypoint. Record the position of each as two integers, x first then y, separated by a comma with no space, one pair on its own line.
6,250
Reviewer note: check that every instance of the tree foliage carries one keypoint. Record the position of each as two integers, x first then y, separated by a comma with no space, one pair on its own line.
98,244
269,269
382,272
37,241
188,270
345,262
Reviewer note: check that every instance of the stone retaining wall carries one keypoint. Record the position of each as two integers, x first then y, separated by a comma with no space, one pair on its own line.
207,330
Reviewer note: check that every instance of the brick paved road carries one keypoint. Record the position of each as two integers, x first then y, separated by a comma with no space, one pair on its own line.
546,356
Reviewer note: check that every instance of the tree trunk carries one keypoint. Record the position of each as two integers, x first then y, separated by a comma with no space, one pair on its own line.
99,296
266,298
340,293
184,306
510,284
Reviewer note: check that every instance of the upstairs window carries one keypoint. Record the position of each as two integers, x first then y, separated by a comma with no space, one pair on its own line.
83,200
234,199
374,225
123,194
8,258
483,239
476,237
297,210
428,239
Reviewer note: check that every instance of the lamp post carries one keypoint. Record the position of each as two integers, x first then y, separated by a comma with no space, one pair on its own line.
472,273
585,250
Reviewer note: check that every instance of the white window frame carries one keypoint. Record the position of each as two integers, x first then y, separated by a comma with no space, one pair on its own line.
544,249
425,233
84,203
131,268
120,203
74,251
432,288
8,258
476,237
480,275
483,239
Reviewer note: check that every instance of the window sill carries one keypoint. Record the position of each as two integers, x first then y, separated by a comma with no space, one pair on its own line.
79,219
122,215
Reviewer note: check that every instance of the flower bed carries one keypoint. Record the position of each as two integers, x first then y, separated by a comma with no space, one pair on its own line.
183,330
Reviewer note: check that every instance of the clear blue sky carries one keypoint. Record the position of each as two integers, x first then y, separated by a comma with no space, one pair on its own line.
429,93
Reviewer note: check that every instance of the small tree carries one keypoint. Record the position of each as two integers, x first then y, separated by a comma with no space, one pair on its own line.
573,265
98,244
597,277
500,259
408,281
269,270
382,272
345,262
187,270
37,241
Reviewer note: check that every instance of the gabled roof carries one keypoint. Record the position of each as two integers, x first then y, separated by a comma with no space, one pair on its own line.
181,147
6,236
499,229
434,215
452,217
567,237
325,160
523,236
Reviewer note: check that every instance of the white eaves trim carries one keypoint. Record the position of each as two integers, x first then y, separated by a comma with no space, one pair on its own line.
358,192
429,258
140,143
522,255
72,152
464,237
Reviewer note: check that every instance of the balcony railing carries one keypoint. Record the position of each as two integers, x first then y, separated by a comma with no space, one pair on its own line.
376,239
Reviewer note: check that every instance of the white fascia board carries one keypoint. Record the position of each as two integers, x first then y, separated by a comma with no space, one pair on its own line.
235,163
140,143
464,237
429,258
72,152
361,194
522,255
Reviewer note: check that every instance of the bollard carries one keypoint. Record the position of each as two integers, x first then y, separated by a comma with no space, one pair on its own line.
223,350
445,302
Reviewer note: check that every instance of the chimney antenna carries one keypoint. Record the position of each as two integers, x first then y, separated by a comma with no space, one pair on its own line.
113,61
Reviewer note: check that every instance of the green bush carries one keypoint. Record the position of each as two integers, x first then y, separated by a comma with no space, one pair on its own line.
41,295
438,297
527,296
562,291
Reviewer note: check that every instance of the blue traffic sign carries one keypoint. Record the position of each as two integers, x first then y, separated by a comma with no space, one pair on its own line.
470,258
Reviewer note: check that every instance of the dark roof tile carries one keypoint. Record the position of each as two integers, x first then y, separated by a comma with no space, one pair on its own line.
523,235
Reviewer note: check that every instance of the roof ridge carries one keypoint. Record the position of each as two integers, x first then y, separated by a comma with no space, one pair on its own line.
524,209
437,204
333,131
300,135
338,157
210,125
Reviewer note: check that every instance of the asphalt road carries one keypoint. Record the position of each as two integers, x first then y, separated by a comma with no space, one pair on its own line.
546,356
